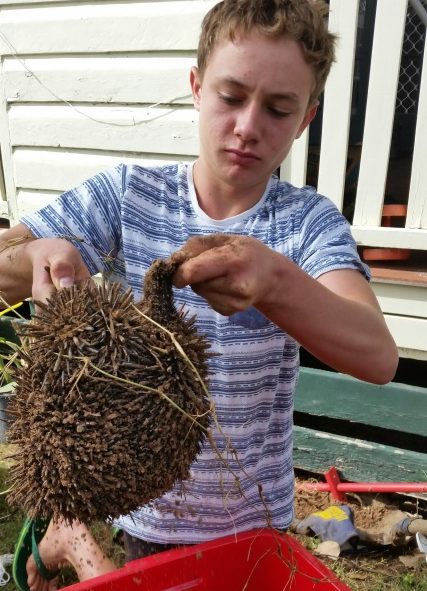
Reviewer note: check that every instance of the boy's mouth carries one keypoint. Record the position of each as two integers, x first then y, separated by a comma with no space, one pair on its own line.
244,156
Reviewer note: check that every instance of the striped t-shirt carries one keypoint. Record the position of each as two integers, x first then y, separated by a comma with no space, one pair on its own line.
125,218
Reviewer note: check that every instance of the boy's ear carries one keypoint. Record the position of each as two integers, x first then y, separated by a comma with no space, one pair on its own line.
196,86
308,118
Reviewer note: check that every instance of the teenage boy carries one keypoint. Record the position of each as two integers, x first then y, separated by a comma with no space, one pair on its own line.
270,266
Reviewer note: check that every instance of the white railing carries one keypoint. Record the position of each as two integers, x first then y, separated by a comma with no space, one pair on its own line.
390,21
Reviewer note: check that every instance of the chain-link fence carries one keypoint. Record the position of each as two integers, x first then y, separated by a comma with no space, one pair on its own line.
412,61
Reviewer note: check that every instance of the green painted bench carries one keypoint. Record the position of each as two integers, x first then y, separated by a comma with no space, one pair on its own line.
368,432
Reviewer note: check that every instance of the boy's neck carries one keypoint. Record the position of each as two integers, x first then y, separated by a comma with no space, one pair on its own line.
220,200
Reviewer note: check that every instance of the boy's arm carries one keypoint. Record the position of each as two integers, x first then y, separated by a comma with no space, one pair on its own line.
15,267
36,267
336,317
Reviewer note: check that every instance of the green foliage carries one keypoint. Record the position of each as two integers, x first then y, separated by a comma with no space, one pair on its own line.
376,575
9,351
10,522
413,582
311,543
9,359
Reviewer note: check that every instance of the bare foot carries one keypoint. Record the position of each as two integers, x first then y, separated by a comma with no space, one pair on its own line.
67,544
52,555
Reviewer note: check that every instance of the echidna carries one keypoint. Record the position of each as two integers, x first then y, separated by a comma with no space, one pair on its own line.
109,411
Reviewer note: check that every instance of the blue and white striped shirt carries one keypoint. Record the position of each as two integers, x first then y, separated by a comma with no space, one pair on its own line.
125,218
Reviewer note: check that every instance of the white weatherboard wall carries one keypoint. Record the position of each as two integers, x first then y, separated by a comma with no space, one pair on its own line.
84,85
87,85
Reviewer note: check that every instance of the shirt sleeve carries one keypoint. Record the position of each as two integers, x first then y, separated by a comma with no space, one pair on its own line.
88,216
326,243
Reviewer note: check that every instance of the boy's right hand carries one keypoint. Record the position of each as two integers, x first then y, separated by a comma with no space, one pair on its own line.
56,264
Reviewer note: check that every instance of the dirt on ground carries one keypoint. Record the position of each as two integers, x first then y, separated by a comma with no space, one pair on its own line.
375,567
368,509
381,560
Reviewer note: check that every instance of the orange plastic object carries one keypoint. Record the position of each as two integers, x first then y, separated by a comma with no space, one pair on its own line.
393,210
390,211
386,254
259,560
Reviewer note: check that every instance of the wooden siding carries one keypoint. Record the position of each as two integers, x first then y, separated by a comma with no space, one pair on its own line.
100,27
84,85
88,85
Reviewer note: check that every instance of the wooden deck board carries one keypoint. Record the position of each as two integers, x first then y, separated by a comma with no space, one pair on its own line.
368,432
398,407
403,273
356,460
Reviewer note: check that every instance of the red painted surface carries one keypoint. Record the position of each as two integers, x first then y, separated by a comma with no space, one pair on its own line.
375,487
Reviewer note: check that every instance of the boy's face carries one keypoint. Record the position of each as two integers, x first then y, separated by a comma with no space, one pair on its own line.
253,102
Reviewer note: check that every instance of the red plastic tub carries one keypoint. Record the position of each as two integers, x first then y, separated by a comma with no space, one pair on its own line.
259,560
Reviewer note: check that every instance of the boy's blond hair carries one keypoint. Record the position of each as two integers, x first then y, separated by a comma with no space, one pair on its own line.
302,20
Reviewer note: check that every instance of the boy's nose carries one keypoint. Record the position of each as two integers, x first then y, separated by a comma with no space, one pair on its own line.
247,124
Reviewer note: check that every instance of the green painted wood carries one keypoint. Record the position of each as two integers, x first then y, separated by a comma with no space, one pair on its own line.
393,406
356,460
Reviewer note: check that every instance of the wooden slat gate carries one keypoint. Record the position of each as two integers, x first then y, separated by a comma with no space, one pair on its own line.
383,82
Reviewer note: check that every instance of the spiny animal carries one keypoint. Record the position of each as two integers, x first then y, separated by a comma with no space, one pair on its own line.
110,410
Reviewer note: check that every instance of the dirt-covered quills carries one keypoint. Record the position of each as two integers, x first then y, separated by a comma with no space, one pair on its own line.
111,405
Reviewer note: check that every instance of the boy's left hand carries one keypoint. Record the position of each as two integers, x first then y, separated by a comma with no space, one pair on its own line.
335,317
231,272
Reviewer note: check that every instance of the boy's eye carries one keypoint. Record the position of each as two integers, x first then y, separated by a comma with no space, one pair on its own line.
230,99
278,112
